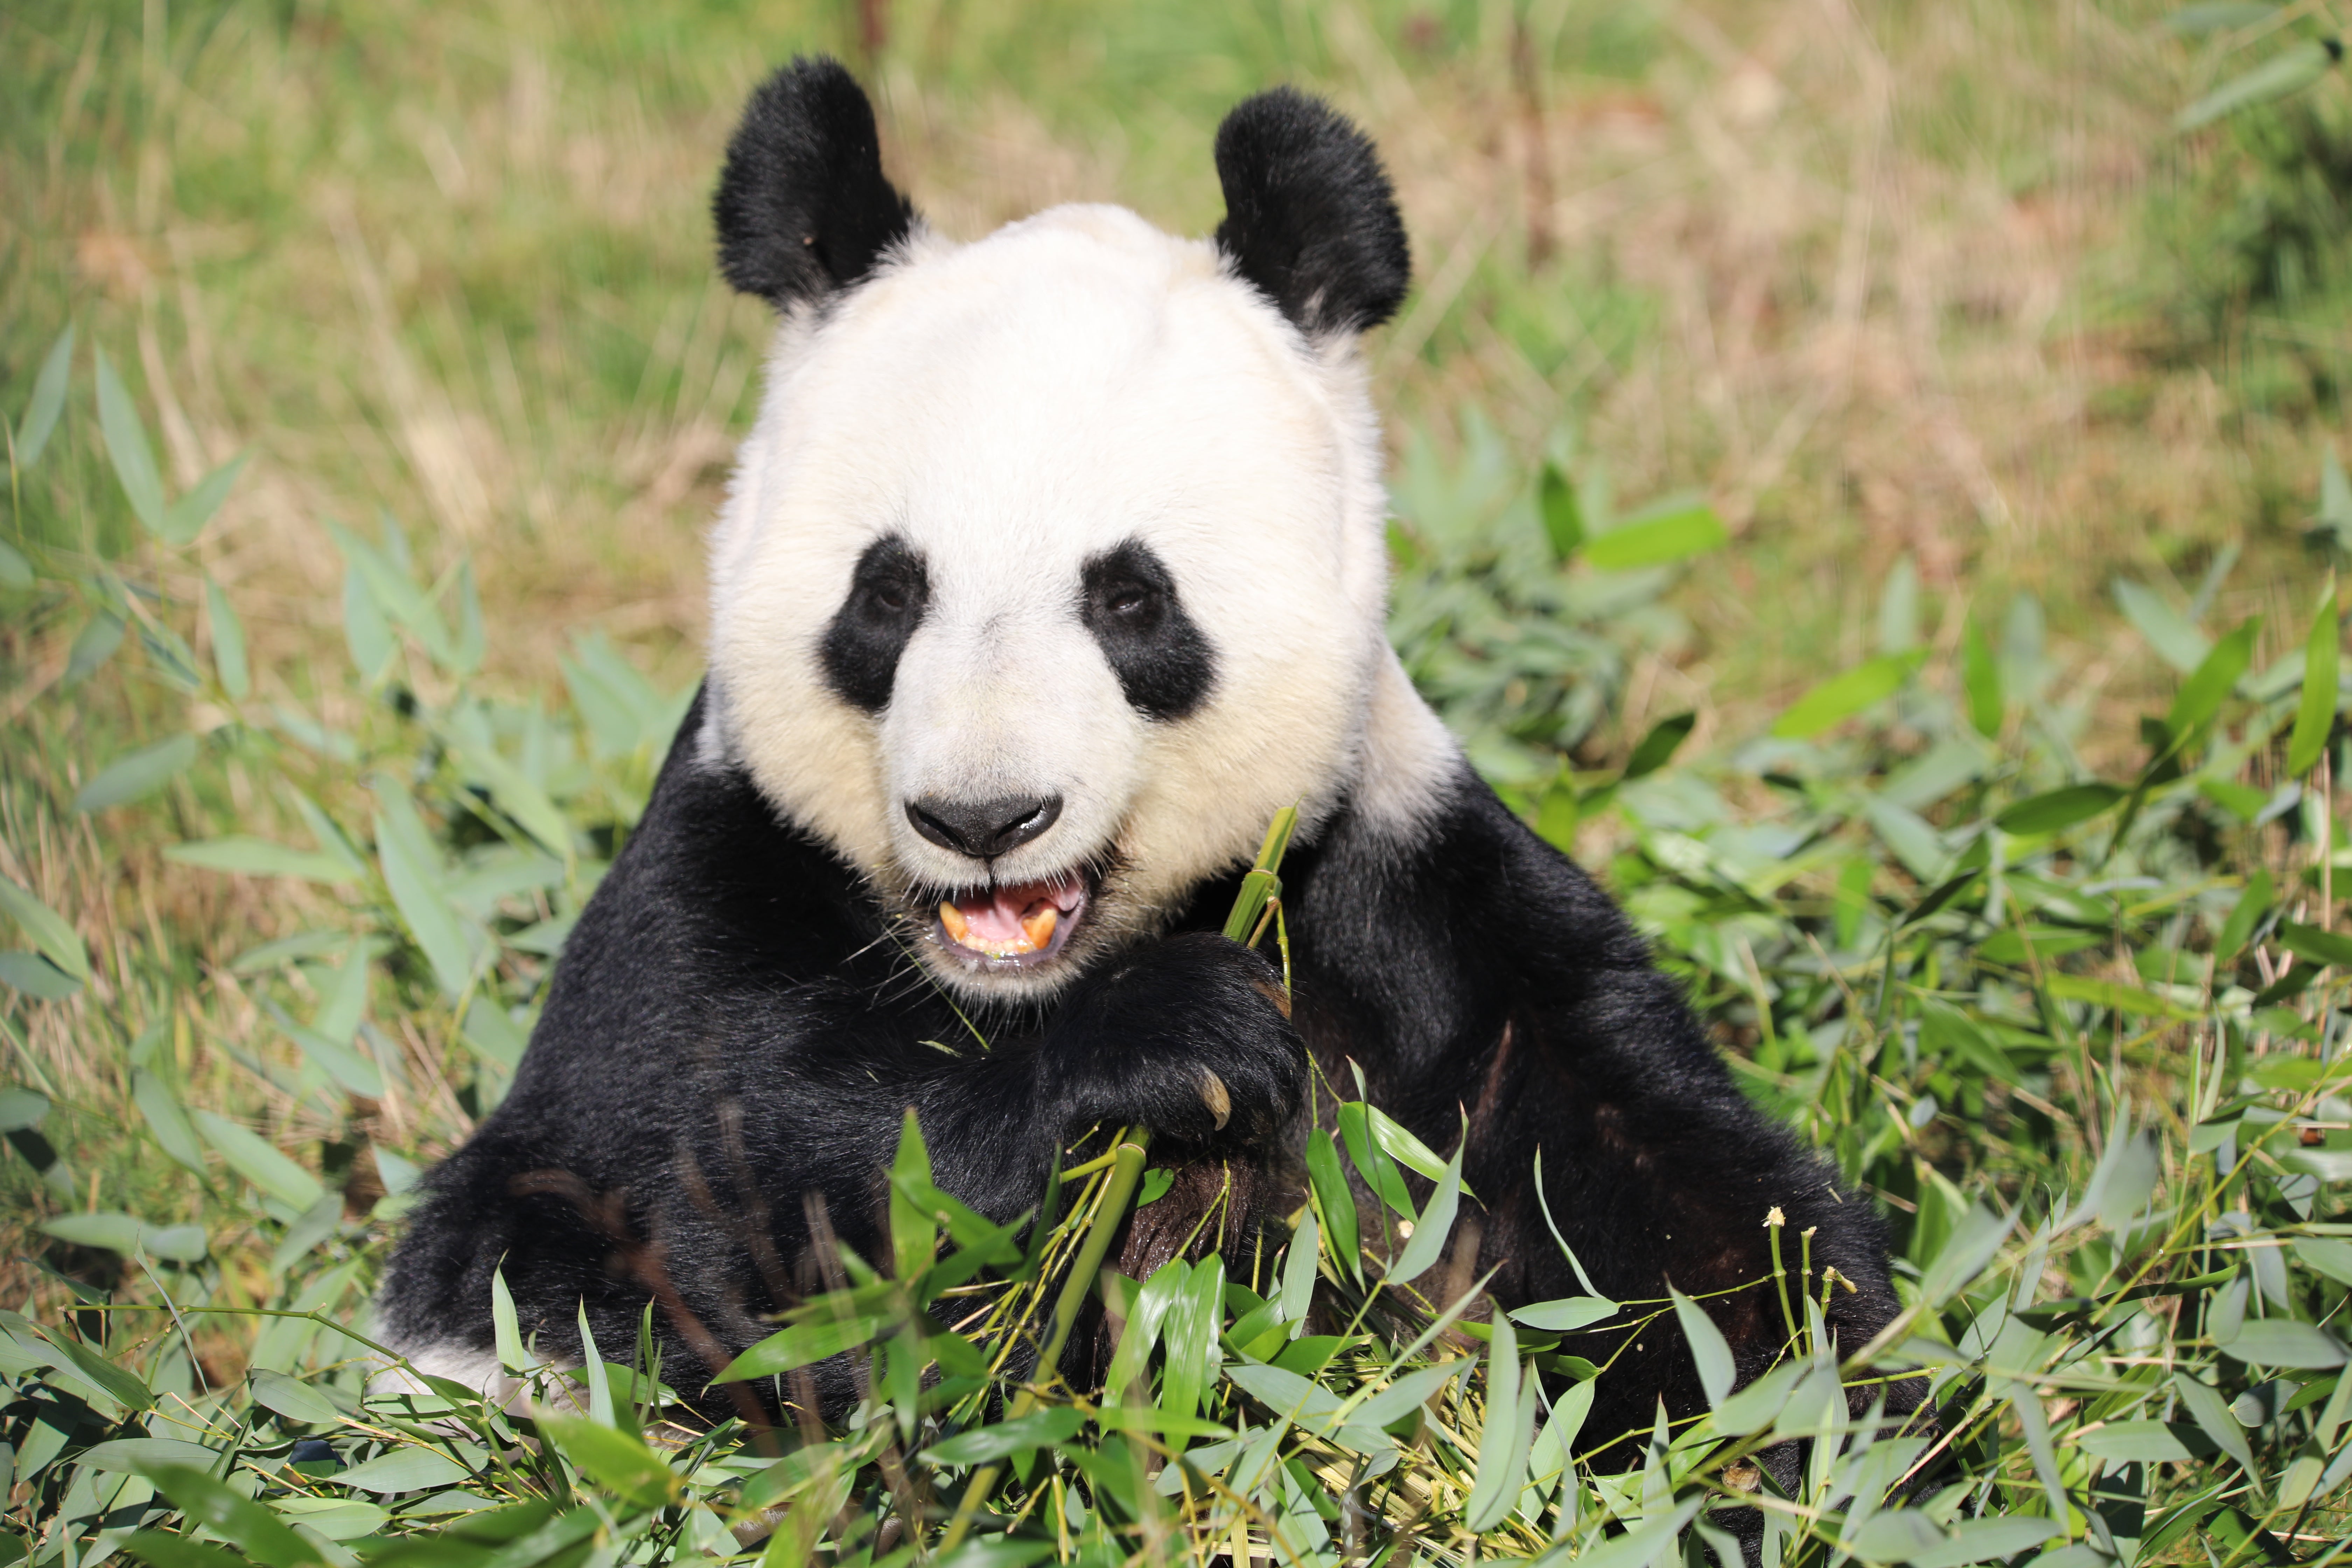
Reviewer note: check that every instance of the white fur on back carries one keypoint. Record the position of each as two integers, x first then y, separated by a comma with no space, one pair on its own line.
1011,407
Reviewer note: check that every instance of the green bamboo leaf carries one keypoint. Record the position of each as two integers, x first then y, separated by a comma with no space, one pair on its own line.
1986,1541
1980,681
802,1345
295,1401
244,855
101,1229
412,871
47,928
1563,515
185,518
331,838
913,1238
236,1519
120,1381
591,1372
1510,1431
1845,694
1436,1223
36,977
405,1471
366,631
1667,531
138,775
2209,684
465,657
2314,713
259,1160
505,1331
1657,748
2116,996
228,642
167,1549
2287,72
2319,946
2211,1412
615,1460
1299,1274
353,1073
16,572
1189,1332
2055,811
1566,1315
2136,1442
1974,1240
173,659
1757,1406
134,1454
519,797
49,390
1406,1394
1402,1146
127,445
1372,1162
983,1445
2214,16
93,646
1335,1200
2282,1342
166,1119
391,587
2177,642
1707,1347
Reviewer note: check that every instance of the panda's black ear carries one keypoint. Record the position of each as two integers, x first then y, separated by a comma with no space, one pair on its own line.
1310,218
802,206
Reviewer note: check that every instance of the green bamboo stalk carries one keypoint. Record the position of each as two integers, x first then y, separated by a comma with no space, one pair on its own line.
1259,889
1126,1171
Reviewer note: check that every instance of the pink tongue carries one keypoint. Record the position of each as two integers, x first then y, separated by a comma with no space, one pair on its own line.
994,917
996,920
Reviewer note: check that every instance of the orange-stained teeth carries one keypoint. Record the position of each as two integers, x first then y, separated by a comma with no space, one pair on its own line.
1039,927
952,918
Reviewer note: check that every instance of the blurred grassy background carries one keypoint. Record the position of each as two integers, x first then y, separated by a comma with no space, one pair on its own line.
1901,280
1930,302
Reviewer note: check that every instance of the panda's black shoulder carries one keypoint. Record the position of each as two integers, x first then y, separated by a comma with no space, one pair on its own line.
714,903
1424,930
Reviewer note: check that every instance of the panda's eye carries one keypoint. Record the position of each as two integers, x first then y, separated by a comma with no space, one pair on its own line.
889,597
1128,599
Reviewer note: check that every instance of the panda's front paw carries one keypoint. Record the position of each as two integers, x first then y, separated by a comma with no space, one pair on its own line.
1189,1036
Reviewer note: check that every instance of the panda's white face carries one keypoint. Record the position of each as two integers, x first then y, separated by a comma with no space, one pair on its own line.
1053,569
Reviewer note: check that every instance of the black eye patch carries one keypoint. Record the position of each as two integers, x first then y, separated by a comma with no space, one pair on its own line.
888,592
1128,600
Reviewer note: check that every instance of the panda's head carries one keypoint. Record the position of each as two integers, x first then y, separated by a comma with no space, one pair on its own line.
1054,565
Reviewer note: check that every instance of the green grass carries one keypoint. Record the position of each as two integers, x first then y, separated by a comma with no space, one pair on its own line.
2028,917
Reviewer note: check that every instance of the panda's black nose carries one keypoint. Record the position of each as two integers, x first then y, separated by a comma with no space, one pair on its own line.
983,829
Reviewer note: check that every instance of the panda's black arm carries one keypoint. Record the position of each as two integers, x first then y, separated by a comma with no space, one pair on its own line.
1475,972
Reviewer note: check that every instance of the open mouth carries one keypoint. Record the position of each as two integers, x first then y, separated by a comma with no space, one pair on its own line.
1017,922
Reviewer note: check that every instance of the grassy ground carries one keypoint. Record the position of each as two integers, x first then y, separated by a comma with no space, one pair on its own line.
1929,302
1876,282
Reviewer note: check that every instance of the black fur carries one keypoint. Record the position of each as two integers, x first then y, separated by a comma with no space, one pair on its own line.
1128,600
1309,216
803,207
731,1031
890,589
731,1035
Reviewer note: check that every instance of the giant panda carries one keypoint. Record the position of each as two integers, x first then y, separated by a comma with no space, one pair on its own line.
1052,568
